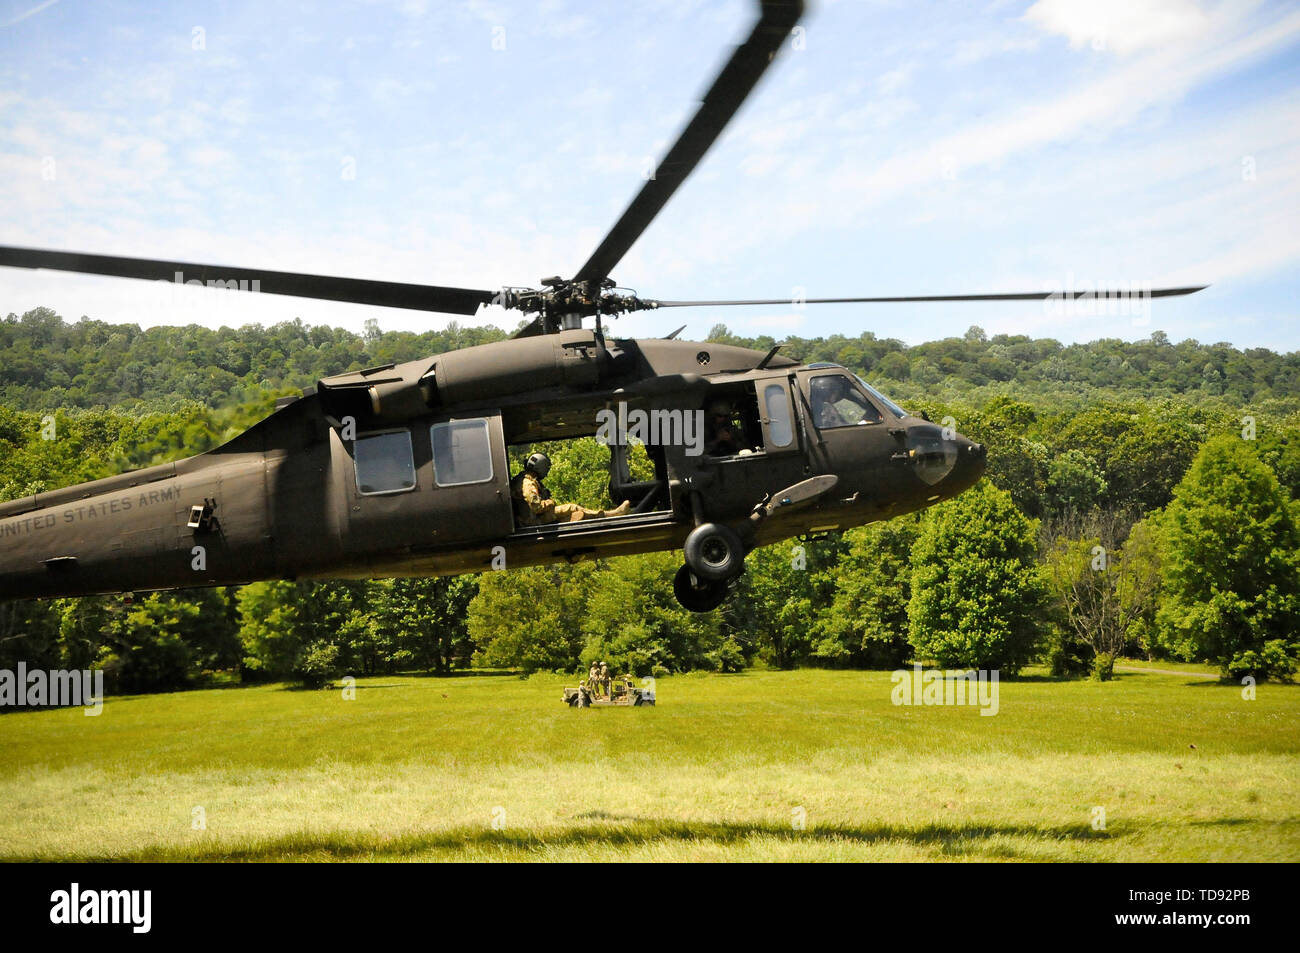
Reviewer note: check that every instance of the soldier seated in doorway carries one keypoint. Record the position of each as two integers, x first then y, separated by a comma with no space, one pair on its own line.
533,503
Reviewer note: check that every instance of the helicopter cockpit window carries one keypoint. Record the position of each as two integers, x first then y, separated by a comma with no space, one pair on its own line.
837,403
892,407
384,462
462,452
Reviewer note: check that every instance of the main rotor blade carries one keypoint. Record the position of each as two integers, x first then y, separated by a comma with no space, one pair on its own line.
1025,296
388,294
720,103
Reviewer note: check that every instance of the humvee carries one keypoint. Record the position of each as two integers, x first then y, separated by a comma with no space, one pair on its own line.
622,692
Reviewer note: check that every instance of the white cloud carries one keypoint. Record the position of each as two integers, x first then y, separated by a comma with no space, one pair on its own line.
1122,26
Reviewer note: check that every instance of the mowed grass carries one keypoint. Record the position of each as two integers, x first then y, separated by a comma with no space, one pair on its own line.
420,768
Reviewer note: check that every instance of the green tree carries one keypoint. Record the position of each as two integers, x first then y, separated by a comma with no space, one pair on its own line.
29,632
660,637
285,628
1148,460
1139,582
1279,447
1230,552
531,618
785,588
1017,461
866,622
269,628
427,619
895,366
1075,483
977,592
146,650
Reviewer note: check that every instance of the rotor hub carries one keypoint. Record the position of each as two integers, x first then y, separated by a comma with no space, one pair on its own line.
560,302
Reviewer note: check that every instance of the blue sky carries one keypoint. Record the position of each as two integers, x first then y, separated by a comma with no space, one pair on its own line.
897,148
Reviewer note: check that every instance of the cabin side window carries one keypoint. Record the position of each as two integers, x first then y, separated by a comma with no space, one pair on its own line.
384,462
462,452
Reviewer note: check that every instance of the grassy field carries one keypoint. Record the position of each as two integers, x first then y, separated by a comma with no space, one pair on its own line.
420,768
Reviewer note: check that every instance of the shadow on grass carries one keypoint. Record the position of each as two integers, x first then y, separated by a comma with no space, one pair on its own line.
955,840
363,681
1048,679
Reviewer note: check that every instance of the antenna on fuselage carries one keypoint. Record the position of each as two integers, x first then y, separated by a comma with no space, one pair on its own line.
768,357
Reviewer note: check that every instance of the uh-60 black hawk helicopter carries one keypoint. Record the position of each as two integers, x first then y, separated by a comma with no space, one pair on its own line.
402,470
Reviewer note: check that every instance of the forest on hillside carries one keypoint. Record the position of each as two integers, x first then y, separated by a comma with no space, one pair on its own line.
1140,499
52,363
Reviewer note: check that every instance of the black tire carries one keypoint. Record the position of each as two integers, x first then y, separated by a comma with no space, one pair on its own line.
698,595
714,552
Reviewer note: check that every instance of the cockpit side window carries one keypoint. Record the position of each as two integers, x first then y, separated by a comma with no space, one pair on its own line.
837,403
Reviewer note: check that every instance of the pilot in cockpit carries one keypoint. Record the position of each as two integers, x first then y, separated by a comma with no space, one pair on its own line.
835,404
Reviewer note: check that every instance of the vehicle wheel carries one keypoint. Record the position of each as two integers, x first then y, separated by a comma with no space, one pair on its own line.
714,552
696,594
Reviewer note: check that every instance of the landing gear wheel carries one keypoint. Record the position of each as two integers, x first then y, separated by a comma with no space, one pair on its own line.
714,552
696,594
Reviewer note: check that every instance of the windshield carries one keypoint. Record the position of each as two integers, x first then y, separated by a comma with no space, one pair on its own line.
893,407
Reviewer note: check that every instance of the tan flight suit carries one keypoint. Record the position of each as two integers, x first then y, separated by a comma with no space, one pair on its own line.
534,506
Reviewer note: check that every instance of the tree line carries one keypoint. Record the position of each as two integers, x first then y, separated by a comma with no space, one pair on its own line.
51,363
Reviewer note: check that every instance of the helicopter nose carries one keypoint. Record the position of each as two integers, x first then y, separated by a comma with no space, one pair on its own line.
945,459
972,458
